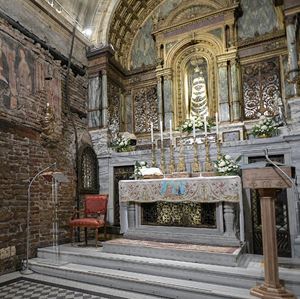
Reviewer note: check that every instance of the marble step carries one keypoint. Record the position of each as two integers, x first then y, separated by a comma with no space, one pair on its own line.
222,275
182,235
196,253
164,287
248,274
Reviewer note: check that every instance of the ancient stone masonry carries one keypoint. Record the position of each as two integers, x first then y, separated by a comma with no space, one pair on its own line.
35,132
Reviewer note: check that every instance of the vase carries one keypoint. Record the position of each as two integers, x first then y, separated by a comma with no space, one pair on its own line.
263,136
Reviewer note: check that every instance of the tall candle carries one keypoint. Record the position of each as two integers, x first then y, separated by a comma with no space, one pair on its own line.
205,126
217,124
152,135
171,136
194,128
161,133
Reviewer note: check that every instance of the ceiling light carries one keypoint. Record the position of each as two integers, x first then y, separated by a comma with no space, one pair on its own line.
87,32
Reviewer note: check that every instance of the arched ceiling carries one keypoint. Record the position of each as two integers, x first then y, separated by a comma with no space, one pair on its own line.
116,22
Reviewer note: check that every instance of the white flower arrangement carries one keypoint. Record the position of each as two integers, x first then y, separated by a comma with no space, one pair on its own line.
225,165
138,166
122,144
266,127
187,125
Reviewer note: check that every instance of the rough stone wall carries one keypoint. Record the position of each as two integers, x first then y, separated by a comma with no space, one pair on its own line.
27,145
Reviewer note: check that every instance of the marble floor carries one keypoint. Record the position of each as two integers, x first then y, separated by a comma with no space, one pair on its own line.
37,286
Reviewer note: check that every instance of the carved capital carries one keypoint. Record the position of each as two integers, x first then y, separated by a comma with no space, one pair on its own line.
290,20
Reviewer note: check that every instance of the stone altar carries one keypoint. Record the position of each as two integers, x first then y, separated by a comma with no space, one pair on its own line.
227,189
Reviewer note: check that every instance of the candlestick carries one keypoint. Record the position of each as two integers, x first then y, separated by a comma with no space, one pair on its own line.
161,134
194,129
172,160
205,126
181,160
163,161
152,134
153,164
171,136
196,165
208,164
217,125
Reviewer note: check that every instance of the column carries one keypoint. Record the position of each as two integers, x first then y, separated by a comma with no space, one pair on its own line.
292,50
131,215
224,111
236,104
94,102
167,100
229,219
160,97
128,112
123,217
104,99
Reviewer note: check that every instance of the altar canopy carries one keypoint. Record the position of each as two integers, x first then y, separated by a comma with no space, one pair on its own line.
198,189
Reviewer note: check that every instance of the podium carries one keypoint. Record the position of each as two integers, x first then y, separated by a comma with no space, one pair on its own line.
267,181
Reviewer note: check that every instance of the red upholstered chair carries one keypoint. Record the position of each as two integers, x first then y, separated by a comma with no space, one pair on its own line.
95,210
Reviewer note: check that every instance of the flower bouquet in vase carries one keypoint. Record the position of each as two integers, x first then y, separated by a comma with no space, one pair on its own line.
266,127
225,165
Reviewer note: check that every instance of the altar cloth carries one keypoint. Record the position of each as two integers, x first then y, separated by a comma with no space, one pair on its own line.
196,189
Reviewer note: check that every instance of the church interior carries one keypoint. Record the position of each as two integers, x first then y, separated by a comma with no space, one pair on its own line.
149,149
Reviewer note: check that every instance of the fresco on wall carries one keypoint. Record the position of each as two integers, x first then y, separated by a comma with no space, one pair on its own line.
16,69
165,8
258,18
23,76
144,52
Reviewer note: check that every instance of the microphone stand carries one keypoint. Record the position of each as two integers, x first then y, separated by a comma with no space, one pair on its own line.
26,269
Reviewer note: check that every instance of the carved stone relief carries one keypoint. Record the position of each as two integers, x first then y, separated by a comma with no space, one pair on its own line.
113,108
145,109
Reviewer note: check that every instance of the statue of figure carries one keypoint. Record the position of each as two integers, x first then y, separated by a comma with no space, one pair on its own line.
197,89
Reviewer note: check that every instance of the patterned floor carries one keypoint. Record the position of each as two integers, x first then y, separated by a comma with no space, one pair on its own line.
24,288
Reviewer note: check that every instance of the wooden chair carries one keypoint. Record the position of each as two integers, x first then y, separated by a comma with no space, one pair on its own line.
95,210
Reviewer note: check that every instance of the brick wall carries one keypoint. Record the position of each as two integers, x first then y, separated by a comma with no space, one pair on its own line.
27,145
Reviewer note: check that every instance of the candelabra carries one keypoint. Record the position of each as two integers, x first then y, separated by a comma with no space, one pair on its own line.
196,165
208,164
181,161
153,152
172,160
218,144
162,158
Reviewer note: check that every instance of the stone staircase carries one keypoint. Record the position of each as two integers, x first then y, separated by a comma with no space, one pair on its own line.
163,277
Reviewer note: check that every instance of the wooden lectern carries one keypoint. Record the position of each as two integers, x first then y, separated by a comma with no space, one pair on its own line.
267,180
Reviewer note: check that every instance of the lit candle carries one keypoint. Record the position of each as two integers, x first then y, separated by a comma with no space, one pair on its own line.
171,137
194,128
205,126
152,135
161,133
217,125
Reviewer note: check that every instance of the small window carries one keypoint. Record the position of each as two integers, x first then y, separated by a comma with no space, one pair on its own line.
88,171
